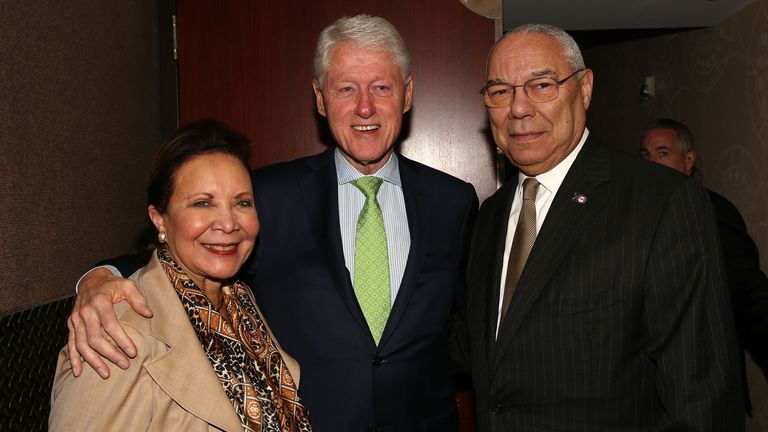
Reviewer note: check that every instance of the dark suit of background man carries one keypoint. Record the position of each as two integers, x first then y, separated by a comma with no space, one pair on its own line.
671,143
353,379
620,319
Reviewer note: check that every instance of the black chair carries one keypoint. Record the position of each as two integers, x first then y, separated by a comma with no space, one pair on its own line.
29,342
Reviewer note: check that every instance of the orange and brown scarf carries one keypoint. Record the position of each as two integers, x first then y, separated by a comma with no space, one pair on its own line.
244,356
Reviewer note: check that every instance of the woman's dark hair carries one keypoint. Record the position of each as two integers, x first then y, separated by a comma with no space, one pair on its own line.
198,138
201,137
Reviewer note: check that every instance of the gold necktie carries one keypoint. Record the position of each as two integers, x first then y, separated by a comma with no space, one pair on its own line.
525,235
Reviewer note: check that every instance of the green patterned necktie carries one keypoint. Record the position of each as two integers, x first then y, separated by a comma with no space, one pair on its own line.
371,259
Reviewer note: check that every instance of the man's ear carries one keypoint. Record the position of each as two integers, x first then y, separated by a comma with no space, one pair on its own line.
586,87
408,94
319,98
690,160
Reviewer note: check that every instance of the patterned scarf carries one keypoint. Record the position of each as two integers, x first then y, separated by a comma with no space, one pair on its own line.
244,356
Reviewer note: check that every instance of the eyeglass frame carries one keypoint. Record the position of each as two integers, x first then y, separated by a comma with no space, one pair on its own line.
525,90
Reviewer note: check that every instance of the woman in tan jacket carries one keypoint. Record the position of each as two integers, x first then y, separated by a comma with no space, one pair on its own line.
206,359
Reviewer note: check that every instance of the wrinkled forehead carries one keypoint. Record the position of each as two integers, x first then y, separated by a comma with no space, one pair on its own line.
344,51
526,56
351,60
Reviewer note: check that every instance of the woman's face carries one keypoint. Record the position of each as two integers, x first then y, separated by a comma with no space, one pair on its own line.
210,222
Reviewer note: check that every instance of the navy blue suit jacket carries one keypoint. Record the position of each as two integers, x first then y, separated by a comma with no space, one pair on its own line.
298,275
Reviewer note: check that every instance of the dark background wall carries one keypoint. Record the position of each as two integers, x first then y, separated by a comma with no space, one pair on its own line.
79,122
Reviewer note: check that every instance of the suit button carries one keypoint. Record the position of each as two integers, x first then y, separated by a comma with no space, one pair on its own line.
498,409
378,361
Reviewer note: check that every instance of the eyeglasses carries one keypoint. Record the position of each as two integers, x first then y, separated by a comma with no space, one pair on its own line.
499,94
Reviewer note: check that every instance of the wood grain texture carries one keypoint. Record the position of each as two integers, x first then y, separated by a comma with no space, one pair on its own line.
250,64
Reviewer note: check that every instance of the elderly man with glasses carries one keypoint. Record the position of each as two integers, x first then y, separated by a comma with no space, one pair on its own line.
591,307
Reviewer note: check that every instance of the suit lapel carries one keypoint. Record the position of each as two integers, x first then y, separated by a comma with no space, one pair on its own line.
320,195
418,210
566,217
494,258
184,372
488,257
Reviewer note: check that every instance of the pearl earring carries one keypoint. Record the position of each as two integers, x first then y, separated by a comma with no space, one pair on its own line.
161,237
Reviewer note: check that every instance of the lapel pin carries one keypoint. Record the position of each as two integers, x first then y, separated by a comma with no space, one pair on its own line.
579,198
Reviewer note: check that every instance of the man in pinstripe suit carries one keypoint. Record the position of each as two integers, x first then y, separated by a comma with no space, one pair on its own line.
620,317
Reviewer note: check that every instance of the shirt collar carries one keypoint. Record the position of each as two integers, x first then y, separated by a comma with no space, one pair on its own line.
345,172
553,178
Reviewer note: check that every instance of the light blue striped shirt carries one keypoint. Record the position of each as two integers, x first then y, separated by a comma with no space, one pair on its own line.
392,204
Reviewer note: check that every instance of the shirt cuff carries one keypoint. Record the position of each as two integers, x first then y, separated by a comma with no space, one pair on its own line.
112,269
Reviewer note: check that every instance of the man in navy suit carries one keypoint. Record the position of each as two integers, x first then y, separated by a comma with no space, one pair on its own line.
612,312
353,376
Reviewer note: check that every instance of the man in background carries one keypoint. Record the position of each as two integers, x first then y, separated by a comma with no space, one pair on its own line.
671,143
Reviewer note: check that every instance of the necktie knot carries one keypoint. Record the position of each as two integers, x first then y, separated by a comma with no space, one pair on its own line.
530,189
368,185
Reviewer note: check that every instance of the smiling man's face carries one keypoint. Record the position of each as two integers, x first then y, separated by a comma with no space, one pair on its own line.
363,96
537,136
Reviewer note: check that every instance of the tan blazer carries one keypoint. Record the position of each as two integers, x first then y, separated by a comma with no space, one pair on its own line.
169,386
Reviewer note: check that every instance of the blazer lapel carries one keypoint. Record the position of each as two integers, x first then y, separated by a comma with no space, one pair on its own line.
488,258
184,372
586,178
418,211
493,255
320,195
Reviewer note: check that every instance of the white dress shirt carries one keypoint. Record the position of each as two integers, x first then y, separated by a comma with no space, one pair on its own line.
392,203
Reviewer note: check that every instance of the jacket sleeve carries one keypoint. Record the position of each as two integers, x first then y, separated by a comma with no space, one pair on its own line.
688,322
125,264
458,326
747,283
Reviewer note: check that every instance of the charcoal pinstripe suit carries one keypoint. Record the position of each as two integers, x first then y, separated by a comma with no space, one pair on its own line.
621,319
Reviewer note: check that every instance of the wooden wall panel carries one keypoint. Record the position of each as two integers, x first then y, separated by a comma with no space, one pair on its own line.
250,64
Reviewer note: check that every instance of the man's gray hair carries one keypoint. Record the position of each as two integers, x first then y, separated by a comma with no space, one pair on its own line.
570,47
684,134
363,31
